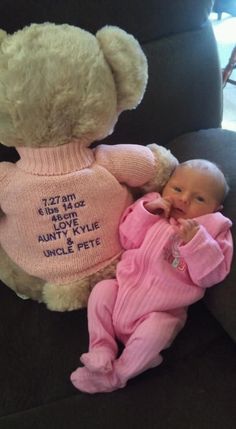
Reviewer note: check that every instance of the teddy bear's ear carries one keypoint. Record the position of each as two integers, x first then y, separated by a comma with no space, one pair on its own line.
128,64
3,34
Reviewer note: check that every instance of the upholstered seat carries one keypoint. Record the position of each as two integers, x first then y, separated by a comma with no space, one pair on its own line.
195,387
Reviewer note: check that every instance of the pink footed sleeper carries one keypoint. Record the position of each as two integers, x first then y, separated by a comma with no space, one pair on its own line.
146,305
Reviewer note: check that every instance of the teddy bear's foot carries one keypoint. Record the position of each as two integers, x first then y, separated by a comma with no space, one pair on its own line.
24,285
74,295
66,297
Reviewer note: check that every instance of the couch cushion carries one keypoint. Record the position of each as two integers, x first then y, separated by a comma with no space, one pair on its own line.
148,21
177,99
218,146
40,348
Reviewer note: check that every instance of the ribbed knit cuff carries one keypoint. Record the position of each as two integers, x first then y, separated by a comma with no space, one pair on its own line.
55,160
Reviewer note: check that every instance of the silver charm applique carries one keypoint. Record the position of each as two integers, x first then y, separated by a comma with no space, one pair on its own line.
172,255
175,262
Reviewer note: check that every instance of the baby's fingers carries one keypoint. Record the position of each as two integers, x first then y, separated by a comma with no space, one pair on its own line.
188,223
188,229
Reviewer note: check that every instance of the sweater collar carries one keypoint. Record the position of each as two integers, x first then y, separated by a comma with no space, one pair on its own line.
50,161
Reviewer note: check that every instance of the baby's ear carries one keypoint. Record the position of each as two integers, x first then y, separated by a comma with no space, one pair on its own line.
128,64
219,208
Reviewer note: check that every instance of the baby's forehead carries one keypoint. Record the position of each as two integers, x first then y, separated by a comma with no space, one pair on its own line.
208,172
197,176
205,170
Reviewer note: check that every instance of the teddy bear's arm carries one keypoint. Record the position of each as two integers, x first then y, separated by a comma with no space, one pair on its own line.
137,165
130,164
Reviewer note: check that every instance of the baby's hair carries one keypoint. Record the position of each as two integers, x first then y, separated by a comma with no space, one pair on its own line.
212,168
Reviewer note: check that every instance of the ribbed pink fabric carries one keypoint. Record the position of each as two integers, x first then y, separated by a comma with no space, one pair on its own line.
63,205
55,160
145,307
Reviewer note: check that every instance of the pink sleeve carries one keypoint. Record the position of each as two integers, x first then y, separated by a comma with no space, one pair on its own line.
135,222
208,259
133,165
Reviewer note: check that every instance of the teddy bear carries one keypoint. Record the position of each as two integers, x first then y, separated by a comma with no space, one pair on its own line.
62,89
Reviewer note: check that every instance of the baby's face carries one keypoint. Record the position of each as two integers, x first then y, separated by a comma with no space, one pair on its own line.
192,193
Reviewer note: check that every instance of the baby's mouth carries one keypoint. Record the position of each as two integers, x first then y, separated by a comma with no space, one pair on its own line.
178,211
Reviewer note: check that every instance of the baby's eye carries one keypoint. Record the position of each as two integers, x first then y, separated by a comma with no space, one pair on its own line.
200,199
177,189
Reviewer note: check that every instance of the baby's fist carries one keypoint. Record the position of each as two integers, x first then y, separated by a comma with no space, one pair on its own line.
188,229
160,206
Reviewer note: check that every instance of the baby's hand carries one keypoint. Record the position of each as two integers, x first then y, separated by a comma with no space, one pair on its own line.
160,206
188,229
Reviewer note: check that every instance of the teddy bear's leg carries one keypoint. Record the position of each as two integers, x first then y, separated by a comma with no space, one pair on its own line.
74,295
66,297
18,280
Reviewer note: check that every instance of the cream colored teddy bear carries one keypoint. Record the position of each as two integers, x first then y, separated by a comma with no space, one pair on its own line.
61,89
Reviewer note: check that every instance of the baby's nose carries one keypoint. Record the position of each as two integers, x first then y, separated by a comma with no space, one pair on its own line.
184,197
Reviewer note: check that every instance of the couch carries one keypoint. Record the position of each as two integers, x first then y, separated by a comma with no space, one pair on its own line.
195,387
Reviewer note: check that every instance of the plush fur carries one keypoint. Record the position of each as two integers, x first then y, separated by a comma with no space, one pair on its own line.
58,83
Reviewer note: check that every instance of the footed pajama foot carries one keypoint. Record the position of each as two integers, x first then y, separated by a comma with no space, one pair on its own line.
97,361
93,382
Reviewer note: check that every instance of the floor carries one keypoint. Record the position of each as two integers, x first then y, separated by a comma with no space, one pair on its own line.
225,33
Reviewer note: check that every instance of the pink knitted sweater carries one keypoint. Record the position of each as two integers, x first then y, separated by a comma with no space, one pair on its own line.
62,206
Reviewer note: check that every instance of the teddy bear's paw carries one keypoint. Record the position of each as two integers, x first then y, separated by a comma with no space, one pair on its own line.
165,164
66,297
